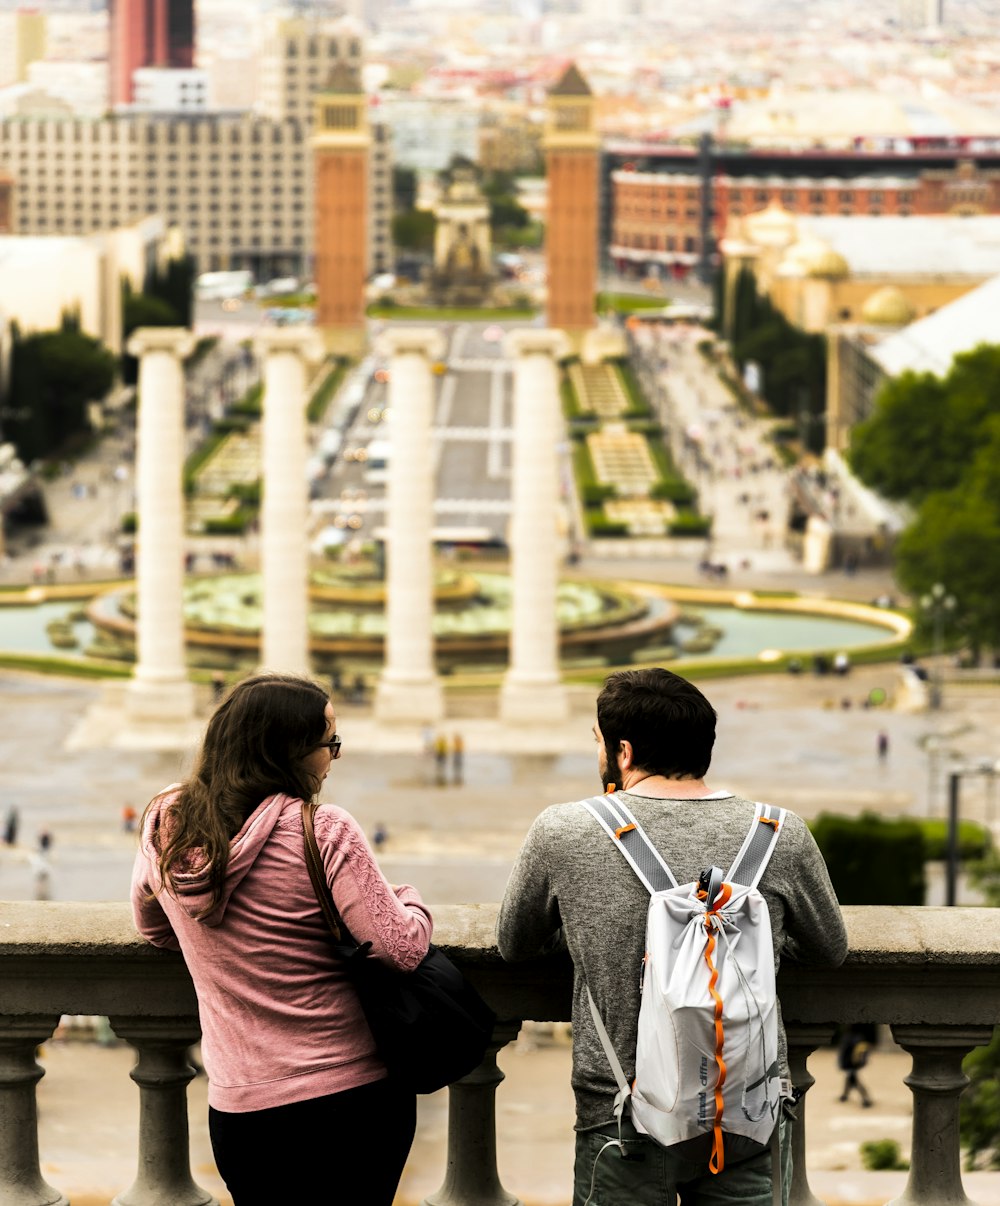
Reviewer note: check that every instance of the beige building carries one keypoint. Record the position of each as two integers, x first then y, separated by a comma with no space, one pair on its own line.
827,270
297,56
22,42
44,277
858,280
238,185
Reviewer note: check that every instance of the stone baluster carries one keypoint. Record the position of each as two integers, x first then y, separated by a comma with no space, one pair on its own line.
408,690
162,1072
21,1182
471,1177
285,498
532,692
160,690
802,1042
937,1082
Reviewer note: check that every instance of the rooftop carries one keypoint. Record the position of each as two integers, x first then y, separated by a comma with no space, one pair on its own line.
915,246
931,344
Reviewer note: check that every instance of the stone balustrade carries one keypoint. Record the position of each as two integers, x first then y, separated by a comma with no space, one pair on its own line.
933,975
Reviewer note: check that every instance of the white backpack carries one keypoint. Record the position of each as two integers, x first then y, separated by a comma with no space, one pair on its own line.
706,1063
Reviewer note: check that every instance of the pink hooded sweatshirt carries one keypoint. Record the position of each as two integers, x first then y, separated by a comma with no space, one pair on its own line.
280,1021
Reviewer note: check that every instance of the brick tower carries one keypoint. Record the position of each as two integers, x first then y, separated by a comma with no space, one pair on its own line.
571,149
341,146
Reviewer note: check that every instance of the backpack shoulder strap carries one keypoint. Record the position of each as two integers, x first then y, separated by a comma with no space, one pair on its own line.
628,835
757,848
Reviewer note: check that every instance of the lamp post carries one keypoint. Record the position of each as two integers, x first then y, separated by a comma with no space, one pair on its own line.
938,604
989,769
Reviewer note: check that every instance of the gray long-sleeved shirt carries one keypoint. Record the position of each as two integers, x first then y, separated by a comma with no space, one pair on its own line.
569,874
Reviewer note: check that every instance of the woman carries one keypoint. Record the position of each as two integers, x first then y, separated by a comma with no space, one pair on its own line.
221,876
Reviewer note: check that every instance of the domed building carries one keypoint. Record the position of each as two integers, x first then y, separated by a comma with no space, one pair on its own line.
888,307
857,279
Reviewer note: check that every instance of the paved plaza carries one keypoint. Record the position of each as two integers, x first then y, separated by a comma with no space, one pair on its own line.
781,738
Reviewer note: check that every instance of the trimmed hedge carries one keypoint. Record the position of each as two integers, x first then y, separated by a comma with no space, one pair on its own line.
687,524
599,526
872,860
594,493
675,490
319,403
229,525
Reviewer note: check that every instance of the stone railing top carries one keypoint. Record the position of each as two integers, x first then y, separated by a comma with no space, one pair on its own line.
884,936
914,966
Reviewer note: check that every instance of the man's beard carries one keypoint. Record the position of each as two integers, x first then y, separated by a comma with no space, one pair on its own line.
610,772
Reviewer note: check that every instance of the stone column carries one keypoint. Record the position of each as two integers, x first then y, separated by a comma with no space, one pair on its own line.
408,690
532,692
937,1081
162,1072
284,556
160,690
471,1176
802,1042
21,1181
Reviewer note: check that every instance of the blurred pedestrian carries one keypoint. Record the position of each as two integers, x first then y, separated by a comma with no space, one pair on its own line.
882,745
852,1056
457,759
11,826
128,819
440,759
44,840
41,871
380,835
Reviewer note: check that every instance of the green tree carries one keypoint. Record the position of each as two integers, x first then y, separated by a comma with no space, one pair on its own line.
414,231
54,374
404,188
979,1109
173,283
506,211
142,310
954,539
925,430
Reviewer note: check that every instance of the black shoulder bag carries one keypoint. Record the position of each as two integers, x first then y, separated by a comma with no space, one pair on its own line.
430,1025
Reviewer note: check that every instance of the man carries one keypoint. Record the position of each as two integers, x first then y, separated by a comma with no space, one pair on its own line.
654,732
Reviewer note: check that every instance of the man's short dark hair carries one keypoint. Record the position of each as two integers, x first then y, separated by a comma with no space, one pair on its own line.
670,724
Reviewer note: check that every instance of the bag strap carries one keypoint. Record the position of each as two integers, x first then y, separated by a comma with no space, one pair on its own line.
324,896
758,846
624,1091
630,838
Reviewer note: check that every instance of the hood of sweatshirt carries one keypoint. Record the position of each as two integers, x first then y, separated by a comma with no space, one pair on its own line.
190,885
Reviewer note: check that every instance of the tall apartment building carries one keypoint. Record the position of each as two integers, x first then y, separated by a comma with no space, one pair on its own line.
147,33
239,185
297,57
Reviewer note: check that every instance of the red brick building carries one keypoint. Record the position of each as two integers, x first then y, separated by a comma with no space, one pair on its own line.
148,33
655,197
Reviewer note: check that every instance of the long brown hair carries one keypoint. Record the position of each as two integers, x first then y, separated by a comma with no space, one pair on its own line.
254,747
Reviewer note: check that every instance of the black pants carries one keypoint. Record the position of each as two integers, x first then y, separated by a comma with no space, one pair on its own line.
349,1146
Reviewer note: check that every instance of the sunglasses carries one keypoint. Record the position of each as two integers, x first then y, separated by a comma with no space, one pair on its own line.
333,745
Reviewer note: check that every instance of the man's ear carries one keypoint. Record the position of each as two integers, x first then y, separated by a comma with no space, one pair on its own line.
625,756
